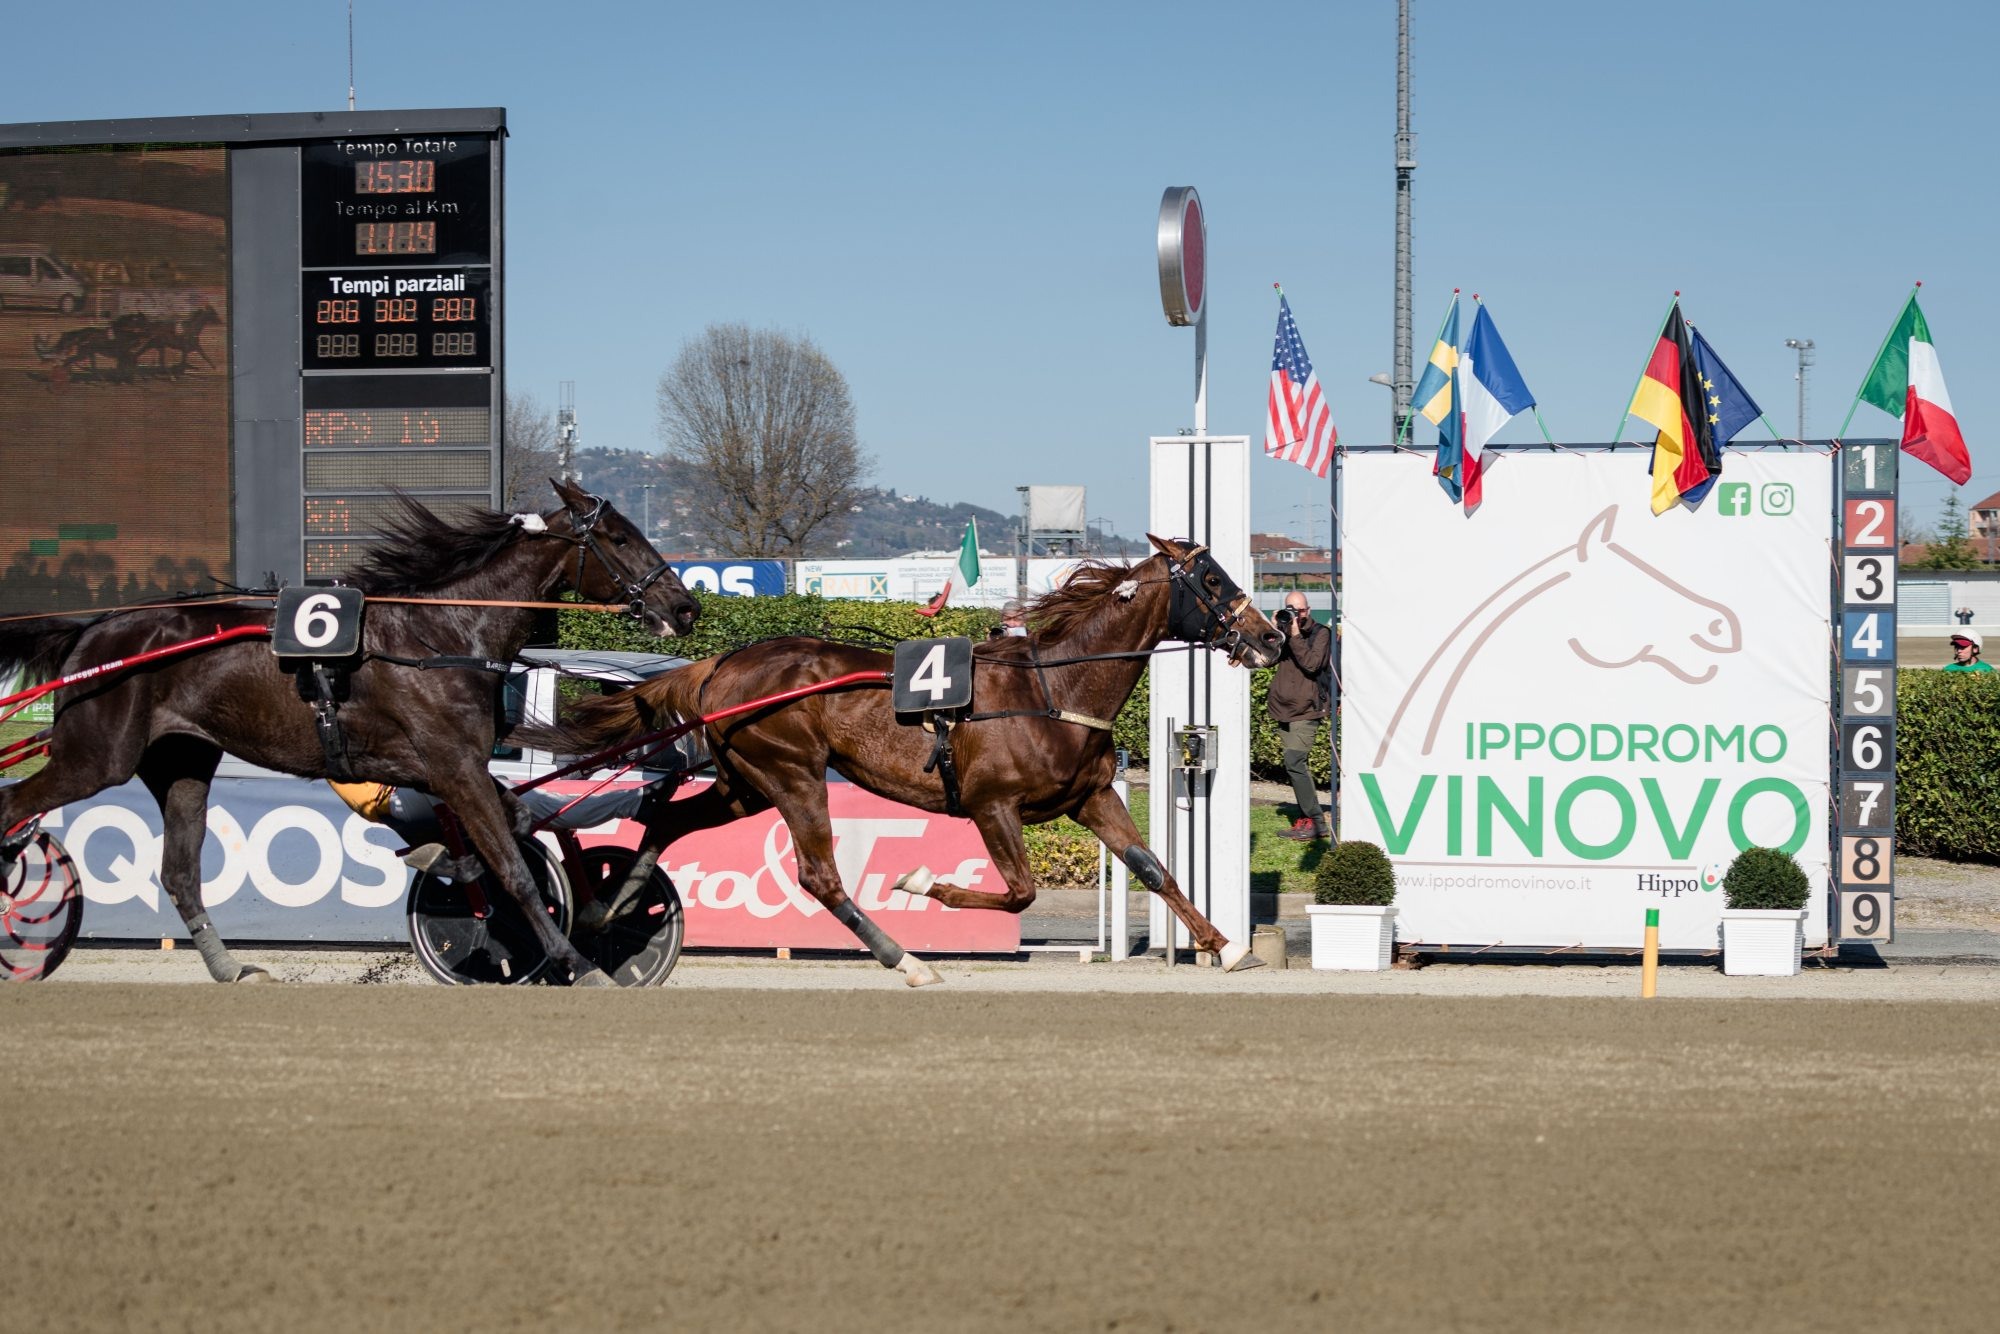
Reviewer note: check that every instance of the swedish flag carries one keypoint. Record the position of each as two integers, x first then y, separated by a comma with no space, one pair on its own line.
1436,400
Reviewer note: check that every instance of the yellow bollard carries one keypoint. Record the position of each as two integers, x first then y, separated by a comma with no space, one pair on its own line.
1649,972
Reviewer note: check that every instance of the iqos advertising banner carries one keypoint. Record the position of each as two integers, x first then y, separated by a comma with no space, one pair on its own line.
286,860
1562,710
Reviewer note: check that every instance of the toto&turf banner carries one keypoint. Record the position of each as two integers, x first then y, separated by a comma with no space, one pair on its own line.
286,860
740,885
1563,710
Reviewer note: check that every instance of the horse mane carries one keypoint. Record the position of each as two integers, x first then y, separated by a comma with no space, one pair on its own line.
1061,612
420,551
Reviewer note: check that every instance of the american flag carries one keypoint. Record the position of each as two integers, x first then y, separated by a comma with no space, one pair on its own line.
1299,427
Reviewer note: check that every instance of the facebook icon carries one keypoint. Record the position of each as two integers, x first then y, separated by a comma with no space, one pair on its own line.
1733,499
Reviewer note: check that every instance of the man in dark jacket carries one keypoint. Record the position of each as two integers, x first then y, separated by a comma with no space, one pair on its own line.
1297,704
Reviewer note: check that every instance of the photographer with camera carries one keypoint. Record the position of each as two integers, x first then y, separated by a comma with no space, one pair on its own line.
1297,701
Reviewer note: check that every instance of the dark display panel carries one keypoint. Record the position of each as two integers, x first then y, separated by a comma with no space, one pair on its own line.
397,427
422,200
388,319
114,375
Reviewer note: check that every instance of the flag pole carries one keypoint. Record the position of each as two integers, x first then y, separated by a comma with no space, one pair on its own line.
1626,415
1403,431
1855,406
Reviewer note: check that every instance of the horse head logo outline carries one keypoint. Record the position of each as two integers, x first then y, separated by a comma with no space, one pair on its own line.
1689,630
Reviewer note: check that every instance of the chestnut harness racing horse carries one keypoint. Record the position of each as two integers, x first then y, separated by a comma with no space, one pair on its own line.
459,599
1035,744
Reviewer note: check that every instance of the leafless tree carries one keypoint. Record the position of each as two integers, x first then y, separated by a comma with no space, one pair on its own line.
529,436
764,424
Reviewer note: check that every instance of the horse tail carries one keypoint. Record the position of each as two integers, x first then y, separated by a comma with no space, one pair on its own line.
592,725
37,647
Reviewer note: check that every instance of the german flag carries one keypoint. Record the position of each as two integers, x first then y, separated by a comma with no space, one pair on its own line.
1670,399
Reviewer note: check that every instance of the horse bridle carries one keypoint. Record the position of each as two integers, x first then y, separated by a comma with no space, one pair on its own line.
1195,618
585,538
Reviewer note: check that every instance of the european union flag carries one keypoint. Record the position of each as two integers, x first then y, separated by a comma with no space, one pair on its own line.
1730,409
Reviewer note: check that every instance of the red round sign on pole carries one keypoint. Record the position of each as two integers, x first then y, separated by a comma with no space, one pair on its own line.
1183,244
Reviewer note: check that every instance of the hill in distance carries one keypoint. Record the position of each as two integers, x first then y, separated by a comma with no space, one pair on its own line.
883,522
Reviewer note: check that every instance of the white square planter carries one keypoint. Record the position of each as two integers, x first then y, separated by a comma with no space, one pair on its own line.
1762,942
1352,937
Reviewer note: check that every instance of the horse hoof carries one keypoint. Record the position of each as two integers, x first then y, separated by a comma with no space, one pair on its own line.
916,882
917,973
596,977
1237,958
250,972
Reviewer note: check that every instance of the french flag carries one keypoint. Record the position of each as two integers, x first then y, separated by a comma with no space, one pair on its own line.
1492,393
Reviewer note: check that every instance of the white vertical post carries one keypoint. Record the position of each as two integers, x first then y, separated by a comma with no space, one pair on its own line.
1121,908
1201,490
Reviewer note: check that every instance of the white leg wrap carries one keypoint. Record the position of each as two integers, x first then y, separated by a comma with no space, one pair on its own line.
917,973
918,881
1233,955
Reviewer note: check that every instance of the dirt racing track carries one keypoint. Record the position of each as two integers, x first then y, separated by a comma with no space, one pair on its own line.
388,1157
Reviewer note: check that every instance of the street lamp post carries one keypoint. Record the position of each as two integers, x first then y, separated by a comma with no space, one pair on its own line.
647,521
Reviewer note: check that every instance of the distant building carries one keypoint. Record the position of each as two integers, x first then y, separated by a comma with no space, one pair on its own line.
1268,547
1985,527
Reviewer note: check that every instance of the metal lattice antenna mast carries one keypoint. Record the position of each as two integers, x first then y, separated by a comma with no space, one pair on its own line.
1804,347
350,55
566,431
1406,166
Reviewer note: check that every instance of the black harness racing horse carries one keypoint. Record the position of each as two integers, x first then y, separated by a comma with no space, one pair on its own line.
442,596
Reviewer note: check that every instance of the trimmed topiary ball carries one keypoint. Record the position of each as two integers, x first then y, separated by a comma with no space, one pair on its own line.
1765,878
1355,873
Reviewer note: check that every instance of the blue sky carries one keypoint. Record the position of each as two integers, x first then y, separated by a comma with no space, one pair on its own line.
958,202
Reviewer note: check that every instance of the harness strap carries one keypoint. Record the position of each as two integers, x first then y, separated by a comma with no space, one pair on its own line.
447,660
326,721
942,762
502,602
1059,715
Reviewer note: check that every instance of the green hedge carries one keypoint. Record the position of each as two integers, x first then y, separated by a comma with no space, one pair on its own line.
1267,747
1948,764
731,622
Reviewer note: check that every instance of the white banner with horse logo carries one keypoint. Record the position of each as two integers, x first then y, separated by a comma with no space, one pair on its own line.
1565,710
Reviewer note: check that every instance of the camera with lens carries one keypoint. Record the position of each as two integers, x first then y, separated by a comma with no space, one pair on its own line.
1284,619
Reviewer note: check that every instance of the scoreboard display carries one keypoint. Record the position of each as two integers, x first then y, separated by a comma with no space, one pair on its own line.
305,311
396,242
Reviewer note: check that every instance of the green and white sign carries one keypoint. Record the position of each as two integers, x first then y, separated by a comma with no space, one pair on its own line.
1564,710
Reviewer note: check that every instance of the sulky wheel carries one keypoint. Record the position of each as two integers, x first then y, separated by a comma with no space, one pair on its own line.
458,947
41,909
641,945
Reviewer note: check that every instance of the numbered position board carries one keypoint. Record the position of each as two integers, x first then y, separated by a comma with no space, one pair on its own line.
323,623
933,674
1865,857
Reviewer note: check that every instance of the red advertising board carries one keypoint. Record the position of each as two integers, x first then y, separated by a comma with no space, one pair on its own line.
739,883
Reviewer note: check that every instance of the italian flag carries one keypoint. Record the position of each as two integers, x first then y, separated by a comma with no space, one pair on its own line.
968,569
1905,382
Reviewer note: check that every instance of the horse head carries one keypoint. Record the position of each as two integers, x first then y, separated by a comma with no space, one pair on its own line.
615,563
1209,608
1682,631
